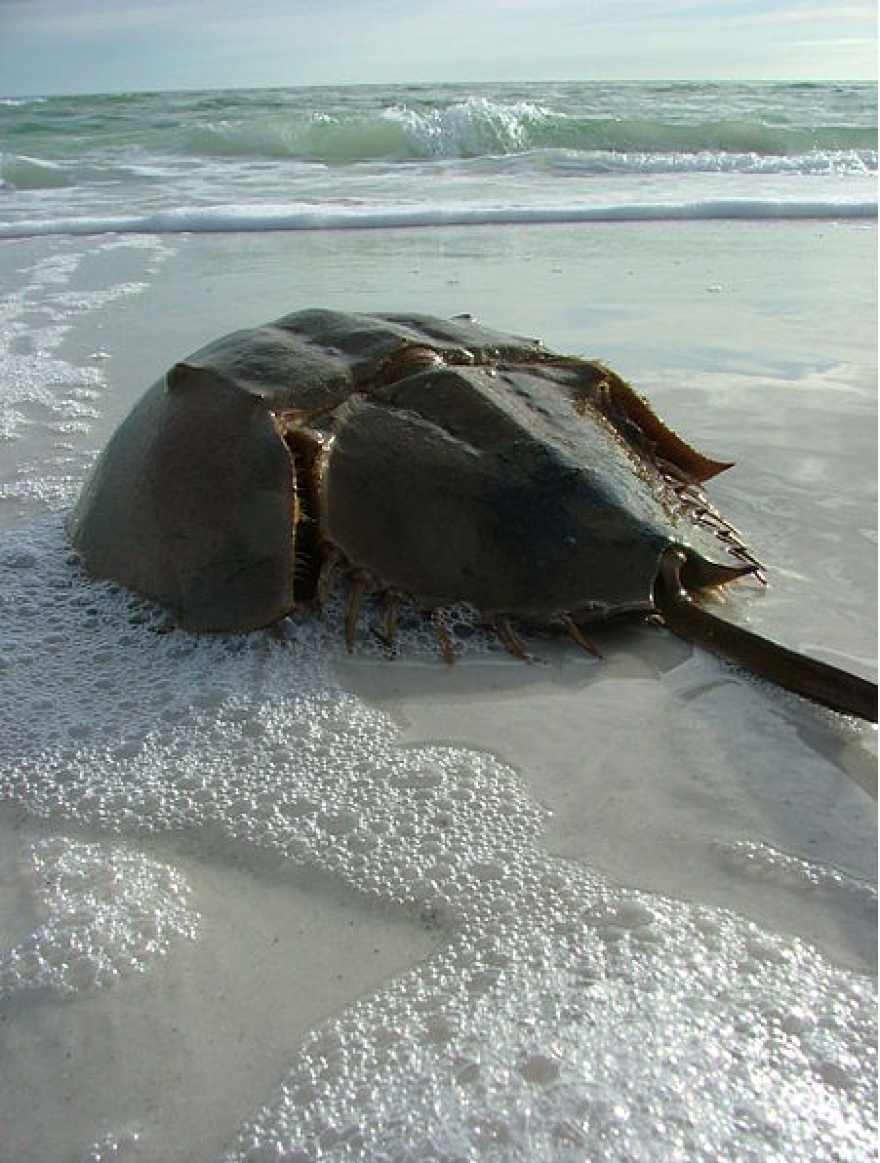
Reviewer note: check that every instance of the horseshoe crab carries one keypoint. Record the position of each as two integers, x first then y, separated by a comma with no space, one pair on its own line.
435,461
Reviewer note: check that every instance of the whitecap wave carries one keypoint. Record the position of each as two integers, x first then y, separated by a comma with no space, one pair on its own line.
256,219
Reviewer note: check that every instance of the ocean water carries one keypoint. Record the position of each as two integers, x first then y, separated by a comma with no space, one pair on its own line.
435,155
262,899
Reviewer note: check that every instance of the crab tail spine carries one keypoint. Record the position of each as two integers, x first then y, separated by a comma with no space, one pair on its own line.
819,681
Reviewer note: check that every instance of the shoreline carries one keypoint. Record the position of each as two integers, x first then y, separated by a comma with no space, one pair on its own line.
271,219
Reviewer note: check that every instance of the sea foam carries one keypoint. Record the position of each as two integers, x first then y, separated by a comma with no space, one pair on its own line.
48,403
562,1017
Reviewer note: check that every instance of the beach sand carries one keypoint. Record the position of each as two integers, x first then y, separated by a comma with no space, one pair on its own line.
655,769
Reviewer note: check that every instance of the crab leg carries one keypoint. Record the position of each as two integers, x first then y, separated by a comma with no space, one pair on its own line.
331,560
506,633
444,639
352,608
390,615
576,633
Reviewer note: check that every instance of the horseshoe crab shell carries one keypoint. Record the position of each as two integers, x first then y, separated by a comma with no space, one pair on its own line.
434,461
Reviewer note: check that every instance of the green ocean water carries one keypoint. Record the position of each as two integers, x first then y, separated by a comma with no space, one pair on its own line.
418,154
346,125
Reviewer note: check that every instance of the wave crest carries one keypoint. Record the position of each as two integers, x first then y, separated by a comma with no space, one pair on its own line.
470,128
257,218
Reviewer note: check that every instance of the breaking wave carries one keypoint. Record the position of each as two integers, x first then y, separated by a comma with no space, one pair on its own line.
21,172
480,127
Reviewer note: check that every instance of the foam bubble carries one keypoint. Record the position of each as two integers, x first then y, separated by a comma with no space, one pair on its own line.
109,910
764,863
36,383
117,1145
539,1039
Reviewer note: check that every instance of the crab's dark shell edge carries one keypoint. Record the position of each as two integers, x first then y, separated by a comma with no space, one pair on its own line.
191,505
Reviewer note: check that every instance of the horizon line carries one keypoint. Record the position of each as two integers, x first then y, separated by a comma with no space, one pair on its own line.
249,88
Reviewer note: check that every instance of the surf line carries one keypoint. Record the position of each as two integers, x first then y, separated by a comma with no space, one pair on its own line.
256,219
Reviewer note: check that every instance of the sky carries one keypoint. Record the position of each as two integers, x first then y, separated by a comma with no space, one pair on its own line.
99,46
